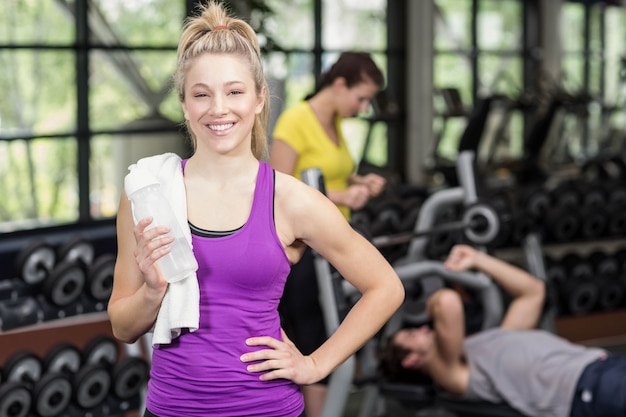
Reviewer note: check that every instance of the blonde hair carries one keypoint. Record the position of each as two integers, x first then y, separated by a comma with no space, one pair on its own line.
214,31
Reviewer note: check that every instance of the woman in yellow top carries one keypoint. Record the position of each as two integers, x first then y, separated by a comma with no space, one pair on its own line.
309,135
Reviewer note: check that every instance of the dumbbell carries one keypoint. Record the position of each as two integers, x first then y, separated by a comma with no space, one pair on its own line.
501,202
129,375
64,285
593,213
90,385
562,223
15,399
66,281
35,261
410,211
32,265
606,270
27,389
534,201
20,312
77,248
386,217
579,291
99,283
616,209
441,241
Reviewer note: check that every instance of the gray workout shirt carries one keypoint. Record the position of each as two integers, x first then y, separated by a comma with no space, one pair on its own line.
534,371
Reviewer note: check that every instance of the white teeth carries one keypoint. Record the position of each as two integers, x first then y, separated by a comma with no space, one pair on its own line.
221,127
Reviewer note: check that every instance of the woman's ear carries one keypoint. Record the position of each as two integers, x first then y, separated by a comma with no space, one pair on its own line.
261,97
340,82
185,113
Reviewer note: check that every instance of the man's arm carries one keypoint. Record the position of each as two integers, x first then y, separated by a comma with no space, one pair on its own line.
527,292
447,367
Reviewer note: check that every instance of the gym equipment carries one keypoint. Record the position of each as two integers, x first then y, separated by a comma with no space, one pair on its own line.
341,378
606,273
562,222
77,248
440,243
572,276
480,223
337,294
50,393
418,395
90,385
99,283
35,261
128,375
65,282
593,213
15,400
19,313
465,195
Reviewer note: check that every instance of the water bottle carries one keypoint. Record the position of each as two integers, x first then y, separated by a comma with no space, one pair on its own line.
147,200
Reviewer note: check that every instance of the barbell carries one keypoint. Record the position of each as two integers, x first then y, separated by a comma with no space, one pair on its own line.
480,223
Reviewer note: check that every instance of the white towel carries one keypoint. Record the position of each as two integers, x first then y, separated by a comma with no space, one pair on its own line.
180,308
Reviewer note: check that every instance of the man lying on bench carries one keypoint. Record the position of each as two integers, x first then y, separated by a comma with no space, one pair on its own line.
534,371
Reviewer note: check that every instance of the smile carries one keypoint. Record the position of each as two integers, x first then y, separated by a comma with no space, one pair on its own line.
221,127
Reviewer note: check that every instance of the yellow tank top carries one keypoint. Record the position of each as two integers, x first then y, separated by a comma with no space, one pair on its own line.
300,128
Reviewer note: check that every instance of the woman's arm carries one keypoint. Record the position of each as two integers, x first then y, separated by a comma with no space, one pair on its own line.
305,214
138,287
375,183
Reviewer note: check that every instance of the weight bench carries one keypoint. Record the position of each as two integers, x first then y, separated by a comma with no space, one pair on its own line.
416,267
426,396
337,295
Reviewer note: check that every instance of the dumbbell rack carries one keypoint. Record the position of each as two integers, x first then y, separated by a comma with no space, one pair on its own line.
593,327
63,324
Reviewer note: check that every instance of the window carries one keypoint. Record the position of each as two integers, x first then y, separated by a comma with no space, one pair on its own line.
87,92
479,55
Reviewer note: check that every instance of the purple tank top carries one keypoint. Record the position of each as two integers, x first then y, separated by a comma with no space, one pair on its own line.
241,278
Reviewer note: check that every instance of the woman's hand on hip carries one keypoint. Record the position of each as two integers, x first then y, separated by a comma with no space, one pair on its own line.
281,360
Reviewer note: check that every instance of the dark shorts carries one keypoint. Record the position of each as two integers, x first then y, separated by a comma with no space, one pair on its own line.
601,389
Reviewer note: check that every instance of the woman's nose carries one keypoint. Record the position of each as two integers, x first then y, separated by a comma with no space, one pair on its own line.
217,106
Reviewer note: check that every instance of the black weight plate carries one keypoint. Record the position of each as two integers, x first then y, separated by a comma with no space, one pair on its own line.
100,277
35,261
129,377
92,385
101,349
77,248
63,357
582,298
65,283
611,296
18,313
23,366
52,395
15,400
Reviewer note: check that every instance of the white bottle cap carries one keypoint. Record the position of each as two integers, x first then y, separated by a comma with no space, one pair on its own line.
137,179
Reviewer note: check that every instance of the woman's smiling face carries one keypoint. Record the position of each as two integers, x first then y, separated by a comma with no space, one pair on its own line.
221,102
